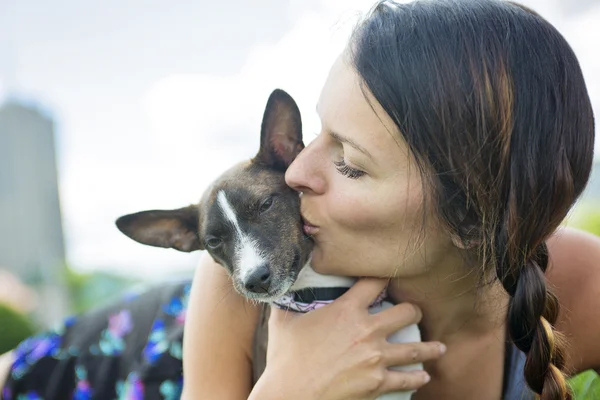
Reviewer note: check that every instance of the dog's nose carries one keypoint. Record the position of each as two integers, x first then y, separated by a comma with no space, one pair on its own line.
259,280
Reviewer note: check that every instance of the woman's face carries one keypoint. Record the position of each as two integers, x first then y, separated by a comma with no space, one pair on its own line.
362,198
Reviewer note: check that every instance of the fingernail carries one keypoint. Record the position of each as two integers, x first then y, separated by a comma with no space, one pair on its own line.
426,377
442,348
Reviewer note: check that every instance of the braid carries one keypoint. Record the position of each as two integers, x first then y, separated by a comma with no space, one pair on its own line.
532,313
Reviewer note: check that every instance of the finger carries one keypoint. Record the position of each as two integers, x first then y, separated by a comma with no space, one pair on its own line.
395,354
398,381
397,317
364,292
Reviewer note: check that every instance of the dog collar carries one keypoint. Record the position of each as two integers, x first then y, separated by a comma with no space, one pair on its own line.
318,294
306,300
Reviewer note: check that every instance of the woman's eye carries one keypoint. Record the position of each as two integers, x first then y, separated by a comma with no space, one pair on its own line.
213,242
265,205
347,171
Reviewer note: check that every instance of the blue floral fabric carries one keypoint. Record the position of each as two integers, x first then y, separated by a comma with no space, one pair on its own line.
130,350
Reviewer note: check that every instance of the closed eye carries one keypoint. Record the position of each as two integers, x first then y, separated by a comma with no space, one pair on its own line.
348,171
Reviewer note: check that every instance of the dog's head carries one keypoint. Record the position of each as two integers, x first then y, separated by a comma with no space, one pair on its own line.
248,219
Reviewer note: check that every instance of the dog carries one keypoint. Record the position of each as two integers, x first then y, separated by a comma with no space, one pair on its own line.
249,221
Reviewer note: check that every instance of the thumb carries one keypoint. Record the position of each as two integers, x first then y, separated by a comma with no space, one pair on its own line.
365,291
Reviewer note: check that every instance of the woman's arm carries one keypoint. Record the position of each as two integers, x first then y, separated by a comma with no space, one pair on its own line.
574,274
219,331
6,361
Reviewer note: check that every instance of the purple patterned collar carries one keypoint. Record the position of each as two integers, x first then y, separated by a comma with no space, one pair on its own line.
310,299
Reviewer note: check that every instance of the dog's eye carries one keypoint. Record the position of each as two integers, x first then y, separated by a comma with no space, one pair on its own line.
266,204
213,242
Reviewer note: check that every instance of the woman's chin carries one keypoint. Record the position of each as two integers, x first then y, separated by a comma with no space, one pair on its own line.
328,265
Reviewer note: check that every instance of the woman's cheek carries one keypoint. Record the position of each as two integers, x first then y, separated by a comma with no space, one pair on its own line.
353,211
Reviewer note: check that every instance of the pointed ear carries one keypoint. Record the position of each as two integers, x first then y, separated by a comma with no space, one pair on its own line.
281,131
177,229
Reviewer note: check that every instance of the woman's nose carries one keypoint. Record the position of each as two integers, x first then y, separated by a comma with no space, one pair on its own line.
306,173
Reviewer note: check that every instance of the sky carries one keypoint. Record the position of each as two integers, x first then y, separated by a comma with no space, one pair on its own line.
152,101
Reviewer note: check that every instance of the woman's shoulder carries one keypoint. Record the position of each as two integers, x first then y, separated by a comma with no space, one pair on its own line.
574,275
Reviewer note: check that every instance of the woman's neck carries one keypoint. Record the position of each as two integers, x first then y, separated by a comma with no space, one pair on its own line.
469,318
455,305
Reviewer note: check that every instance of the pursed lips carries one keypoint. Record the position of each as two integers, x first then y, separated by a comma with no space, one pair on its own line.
308,227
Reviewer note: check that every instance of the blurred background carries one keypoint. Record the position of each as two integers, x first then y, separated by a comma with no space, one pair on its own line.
112,107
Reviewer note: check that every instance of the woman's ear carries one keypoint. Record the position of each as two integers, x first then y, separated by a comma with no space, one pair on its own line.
465,235
464,244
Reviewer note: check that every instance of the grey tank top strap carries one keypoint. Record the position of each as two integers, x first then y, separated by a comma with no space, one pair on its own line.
515,387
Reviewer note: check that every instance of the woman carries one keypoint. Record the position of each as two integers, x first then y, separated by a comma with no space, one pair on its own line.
455,137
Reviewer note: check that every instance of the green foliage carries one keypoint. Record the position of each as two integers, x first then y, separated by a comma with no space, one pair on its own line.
586,217
586,385
14,327
94,289
590,222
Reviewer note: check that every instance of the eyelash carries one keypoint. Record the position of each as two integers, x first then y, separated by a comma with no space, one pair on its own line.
344,169
347,171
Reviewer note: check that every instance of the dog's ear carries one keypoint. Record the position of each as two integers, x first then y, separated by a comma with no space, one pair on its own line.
177,229
281,131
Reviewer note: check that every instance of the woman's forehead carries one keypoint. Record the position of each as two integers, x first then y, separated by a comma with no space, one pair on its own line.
348,108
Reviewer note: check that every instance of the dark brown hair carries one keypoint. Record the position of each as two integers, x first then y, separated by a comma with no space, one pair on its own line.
491,100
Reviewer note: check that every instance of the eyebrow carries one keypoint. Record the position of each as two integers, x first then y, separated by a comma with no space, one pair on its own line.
351,143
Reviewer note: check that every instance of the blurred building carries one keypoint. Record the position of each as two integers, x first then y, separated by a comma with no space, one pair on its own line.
31,234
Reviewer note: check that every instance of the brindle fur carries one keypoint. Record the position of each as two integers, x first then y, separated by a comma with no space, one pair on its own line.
247,185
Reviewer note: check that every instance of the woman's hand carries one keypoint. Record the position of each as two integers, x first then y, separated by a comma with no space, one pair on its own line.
340,351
